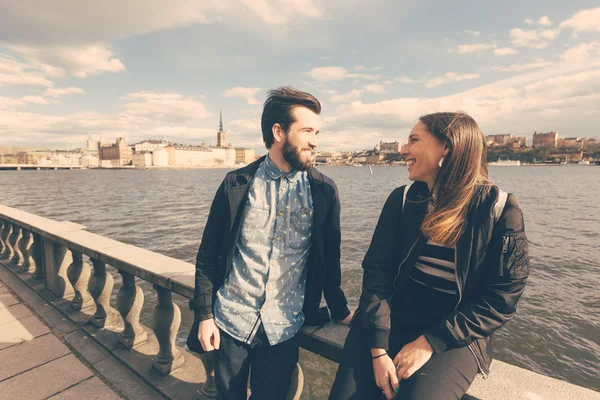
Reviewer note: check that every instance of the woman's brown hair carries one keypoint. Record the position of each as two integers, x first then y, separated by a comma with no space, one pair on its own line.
463,176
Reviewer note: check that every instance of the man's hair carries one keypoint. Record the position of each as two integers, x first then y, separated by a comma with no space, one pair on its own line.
278,110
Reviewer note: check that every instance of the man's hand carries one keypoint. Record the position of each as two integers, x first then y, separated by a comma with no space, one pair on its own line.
412,357
209,335
385,373
348,319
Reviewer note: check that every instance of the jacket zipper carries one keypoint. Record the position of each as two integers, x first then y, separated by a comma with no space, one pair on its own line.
403,261
458,284
483,373
505,241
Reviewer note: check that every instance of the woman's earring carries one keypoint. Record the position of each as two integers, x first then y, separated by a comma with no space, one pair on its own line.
441,162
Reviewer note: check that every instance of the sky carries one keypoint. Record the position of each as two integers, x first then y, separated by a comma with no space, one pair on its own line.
147,69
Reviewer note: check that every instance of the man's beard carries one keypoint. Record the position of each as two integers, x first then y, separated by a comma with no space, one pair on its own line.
291,155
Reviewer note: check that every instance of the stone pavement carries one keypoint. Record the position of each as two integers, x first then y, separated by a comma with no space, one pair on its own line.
45,356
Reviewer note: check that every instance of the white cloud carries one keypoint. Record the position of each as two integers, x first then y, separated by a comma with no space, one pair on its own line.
375,88
449,77
523,38
13,72
583,21
473,33
504,51
59,61
529,21
43,23
344,98
57,92
404,79
472,48
10,103
246,93
549,34
335,73
582,53
145,107
544,21
540,63
519,103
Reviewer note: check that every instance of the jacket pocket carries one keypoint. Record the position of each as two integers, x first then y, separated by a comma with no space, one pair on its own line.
514,256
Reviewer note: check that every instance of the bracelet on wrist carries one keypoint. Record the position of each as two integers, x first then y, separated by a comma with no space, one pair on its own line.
380,355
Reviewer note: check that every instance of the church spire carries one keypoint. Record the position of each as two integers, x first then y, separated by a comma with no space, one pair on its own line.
220,120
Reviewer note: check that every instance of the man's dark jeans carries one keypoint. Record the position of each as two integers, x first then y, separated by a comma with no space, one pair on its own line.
272,367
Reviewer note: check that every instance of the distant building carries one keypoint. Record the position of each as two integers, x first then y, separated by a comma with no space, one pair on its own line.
91,145
506,140
221,134
244,155
374,158
570,143
566,155
549,139
116,155
390,147
142,159
200,156
590,144
89,161
149,145
24,157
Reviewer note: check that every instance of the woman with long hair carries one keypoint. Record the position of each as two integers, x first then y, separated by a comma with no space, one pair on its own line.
445,269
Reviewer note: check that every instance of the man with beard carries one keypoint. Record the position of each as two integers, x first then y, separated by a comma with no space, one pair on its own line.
270,248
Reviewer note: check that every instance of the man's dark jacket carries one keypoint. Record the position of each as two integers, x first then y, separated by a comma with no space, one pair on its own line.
215,256
492,265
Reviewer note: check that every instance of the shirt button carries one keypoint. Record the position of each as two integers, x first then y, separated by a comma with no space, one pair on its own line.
282,188
280,213
273,262
277,238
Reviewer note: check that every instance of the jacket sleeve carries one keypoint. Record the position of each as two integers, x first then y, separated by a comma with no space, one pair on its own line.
379,271
334,295
207,259
502,282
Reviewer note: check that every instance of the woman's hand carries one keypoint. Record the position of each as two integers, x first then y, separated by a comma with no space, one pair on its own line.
412,357
385,373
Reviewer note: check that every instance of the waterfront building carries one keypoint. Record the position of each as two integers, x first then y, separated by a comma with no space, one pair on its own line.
566,155
200,156
89,160
244,155
549,139
142,159
571,143
221,134
374,158
390,147
506,140
149,145
116,155
24,157
160,158
91,145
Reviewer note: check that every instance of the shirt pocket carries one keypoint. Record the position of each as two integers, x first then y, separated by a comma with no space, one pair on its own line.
514,256
300,228
256,223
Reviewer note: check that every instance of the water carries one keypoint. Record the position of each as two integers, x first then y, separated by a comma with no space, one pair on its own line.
556,330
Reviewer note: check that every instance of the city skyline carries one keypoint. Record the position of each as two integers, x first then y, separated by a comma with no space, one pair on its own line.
74,74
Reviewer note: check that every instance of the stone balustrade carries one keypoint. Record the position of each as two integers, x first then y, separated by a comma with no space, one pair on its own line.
54,252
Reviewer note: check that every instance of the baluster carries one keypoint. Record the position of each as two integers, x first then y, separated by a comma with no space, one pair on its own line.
101,286
15,239
2,245
12,241
38,257
130,299
6,231
79,276
209,388
165,324
26,247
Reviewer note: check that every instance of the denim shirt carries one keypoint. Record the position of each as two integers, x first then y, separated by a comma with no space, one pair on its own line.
268,278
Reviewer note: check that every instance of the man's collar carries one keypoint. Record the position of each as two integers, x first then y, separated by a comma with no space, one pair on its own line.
275,173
